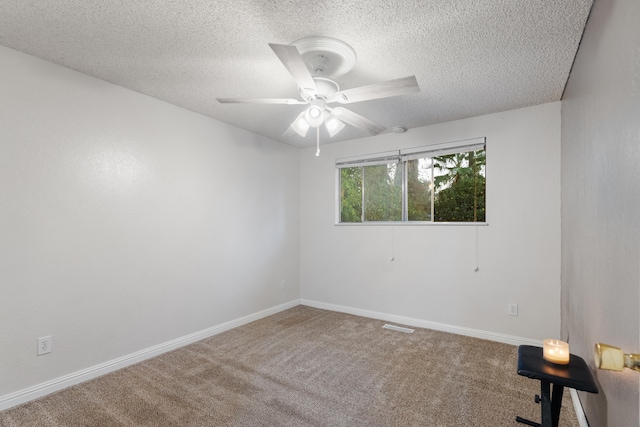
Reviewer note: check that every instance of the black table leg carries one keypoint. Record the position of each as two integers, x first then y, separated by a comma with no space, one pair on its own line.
545,395
527,422
556,404
550,406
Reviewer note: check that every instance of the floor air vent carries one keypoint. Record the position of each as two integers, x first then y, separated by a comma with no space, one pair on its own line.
398,328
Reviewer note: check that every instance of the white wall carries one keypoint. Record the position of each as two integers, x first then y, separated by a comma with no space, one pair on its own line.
432,277
601,204
126,222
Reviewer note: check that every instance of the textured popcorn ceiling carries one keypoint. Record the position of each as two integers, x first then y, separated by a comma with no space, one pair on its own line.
470,57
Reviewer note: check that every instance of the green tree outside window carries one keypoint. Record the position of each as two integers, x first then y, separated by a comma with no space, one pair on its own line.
445,188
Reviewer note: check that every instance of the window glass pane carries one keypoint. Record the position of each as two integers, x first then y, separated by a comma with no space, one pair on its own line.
450,187
351,194
419,185
460,187
383,192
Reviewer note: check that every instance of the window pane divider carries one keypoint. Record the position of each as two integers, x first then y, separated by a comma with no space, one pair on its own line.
405,188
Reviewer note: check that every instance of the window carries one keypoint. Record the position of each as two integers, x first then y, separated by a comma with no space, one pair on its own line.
437,183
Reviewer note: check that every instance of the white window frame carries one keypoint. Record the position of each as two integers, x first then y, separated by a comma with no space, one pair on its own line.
401,156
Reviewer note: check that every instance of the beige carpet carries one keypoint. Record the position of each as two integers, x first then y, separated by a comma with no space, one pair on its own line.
305,367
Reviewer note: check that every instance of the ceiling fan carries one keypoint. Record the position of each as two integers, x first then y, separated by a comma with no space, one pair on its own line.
313,62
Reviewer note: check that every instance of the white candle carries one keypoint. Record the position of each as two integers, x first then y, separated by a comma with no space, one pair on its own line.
555,351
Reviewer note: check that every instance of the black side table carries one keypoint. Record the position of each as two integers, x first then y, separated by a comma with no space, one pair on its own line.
575,375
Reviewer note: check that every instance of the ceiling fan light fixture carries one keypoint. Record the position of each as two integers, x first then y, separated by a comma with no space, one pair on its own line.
314,116
333,125
315,112
300,125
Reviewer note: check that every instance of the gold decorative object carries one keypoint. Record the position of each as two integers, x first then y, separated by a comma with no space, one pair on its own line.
614,359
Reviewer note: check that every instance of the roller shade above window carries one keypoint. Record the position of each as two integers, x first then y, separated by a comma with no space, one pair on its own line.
412,153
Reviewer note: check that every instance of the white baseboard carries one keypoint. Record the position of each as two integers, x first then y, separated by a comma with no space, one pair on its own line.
577,407
39,390
419,323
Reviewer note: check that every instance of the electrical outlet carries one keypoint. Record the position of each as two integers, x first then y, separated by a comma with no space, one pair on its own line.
513,309
44,345
282,284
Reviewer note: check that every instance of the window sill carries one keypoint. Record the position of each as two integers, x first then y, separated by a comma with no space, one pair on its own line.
410,223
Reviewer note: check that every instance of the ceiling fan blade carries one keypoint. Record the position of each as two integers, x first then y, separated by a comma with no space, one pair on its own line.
292,60
378,90
289,101
357,121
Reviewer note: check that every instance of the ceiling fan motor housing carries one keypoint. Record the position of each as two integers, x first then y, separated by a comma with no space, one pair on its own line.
326,89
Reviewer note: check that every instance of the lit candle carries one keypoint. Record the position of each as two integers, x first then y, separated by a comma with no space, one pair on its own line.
555,351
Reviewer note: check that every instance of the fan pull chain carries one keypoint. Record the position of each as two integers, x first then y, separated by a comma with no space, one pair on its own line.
477,250
317,141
